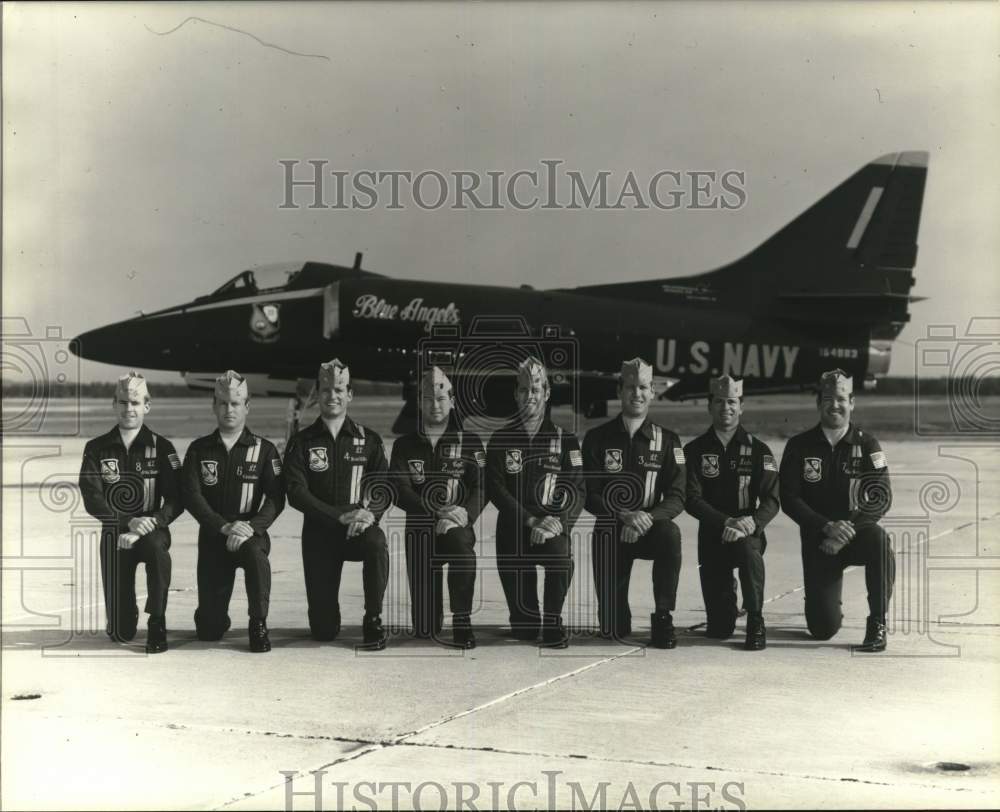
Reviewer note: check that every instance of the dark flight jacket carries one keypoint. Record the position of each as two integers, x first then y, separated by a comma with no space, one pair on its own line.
118,485
740,479
425,479
244,483
820,484
540,476
327,478
651,464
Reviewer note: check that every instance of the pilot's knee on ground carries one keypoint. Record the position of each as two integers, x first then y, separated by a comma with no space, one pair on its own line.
823,623
210,625
324,626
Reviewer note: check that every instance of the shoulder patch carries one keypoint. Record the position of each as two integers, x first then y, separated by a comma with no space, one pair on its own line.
770,464
276,466
174,460
878,460
480,457
575,458
678,455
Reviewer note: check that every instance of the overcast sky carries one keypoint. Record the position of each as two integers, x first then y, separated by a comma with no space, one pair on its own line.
141,168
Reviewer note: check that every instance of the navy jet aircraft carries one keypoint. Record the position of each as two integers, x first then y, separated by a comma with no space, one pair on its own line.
832,288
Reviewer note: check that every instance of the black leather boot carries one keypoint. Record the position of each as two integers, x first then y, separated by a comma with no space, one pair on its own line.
259,641
374,633
756,633
875,636
662,634
156,635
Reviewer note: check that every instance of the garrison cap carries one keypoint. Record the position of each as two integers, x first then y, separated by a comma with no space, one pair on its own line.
333,373
433,381
231,385
638,369
131,385
531,371
725,387
836,382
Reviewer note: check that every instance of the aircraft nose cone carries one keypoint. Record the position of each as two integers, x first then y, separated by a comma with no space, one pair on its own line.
124,343
103,344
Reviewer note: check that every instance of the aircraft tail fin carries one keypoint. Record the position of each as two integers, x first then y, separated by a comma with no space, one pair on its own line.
848,258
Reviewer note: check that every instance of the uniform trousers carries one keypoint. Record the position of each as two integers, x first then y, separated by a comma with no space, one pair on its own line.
217,574
823,575
517,559
717,559
323,555
426,554
118,578
612,560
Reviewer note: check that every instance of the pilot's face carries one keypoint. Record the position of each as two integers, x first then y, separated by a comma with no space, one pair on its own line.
725,413
231,412
131,411
333,400
636,395
835,410
531,399
435,406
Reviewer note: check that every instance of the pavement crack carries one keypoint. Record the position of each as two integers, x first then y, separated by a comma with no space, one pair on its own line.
236,31
671,764
519,692
367,747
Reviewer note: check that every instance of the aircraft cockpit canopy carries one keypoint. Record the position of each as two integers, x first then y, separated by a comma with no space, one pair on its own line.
285,276
258,279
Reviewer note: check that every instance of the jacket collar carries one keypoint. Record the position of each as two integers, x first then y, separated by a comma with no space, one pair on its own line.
319,427
741,435
646,428
246,437
852,436
452,429
144,437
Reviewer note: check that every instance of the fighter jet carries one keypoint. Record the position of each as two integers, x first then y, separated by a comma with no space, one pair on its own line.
832,288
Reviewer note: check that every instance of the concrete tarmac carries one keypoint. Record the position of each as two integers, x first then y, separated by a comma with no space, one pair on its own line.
87,724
